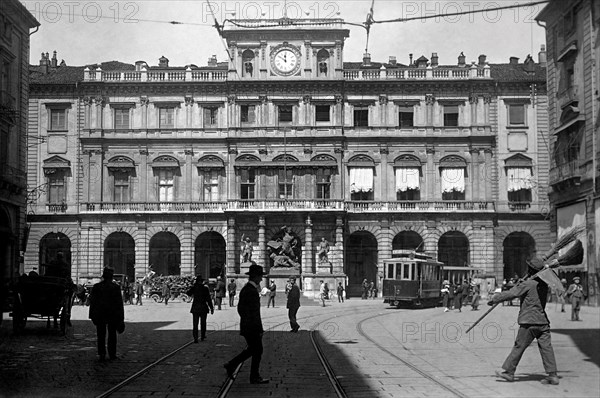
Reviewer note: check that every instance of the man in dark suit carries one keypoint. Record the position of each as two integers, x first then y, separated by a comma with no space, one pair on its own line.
250,326
219,292
107,312
201,305
293,304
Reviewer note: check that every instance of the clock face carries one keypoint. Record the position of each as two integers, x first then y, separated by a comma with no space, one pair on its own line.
285,61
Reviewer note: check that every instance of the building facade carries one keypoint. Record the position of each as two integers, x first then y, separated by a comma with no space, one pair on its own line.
171,168
572,35
15,25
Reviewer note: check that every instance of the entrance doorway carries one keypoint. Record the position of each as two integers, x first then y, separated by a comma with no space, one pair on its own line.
210,255
518,247
119,253
165,254
361,261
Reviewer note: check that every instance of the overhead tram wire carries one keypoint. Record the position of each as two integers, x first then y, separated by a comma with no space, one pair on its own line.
452,14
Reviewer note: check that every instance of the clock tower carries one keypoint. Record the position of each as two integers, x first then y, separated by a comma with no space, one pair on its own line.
280,49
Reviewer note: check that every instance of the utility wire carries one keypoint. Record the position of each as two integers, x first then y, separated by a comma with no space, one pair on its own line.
461,13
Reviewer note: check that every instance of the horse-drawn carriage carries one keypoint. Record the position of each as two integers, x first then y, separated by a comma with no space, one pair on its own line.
42,297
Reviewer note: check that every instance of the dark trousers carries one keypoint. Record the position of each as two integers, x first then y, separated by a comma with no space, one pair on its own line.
197,316
526,335
341,297
231,298
254,350
218,301
167,299
457,301
575,307
112,339
271,300
138,299
292,312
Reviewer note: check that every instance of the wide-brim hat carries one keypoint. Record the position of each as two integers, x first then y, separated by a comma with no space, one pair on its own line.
577,278
255,270
108,272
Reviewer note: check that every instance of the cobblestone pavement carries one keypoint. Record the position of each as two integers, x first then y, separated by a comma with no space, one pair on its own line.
41,363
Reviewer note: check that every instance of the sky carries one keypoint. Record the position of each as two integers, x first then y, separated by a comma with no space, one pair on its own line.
86,32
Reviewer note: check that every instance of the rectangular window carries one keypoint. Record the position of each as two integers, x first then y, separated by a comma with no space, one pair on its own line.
121,187
516,114
248,114
286,183
211,116
248,179
57,192
166,185
167,118
406,116
450,115
323,183
285,113
521,195
322,113
361,116
210,185
58,119
121,118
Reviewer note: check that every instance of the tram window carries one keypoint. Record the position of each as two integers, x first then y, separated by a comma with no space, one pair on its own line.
398,271
413,274
405,271
390,270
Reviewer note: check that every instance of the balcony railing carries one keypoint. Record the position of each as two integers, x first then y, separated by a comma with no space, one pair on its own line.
57,207
187,75
420,206
279,205
564,172
418,74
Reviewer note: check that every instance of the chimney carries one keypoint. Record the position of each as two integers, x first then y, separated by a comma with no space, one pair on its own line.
44,63
410,59
163,62
513,60
482,59
212,61
63,63
461,60
392,60
54,62
139,65
366,59
434,60
542,55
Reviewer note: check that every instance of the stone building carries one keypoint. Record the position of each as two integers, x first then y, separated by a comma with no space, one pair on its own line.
169,168
15,25
572,36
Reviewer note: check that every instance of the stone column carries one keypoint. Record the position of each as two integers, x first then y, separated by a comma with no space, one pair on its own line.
189,170
473,100
308,255
262,258
143,178
189,107
384,173
474,174
141,250
232,252
487,99
429,103
187,251
489,174
338,257
431,174
144,104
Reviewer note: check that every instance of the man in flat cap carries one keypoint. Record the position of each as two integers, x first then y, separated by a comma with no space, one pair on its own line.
533,324
107,312
250,326
577,296
293,304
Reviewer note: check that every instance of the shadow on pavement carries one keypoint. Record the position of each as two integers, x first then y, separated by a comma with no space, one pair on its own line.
587,340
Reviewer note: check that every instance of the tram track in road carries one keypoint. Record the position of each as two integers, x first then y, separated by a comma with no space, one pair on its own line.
426,375
229,382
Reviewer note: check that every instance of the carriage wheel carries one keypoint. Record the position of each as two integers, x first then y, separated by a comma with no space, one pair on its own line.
185,298
156,298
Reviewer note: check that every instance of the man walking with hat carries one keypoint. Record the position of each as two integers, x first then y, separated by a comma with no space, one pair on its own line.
575,292
293,304
107,312
250,326
533,324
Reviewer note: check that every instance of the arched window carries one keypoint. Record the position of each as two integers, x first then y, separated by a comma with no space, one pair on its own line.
322,62
248,63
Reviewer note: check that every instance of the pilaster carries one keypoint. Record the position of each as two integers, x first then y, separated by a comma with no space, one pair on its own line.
308,255
262,243
232,252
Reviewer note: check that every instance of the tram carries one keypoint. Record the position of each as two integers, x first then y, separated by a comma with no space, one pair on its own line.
412,278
